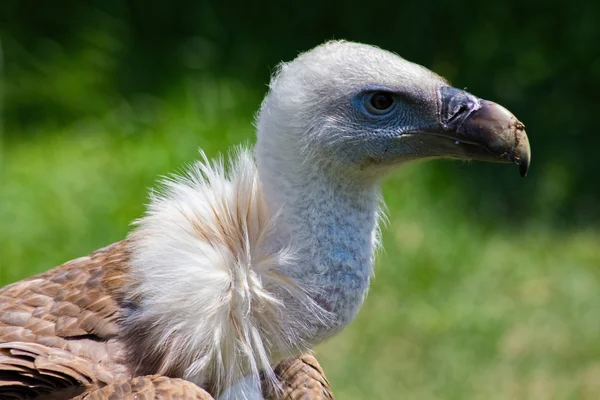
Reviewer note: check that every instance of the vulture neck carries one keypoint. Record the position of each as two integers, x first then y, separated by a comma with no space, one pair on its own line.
333,222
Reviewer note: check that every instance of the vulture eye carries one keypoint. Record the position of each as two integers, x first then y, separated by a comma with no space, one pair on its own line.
380,103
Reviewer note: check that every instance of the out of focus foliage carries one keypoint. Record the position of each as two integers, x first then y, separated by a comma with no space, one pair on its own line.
67,60
489,285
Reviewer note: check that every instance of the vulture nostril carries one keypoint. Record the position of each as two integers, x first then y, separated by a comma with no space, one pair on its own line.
462,109
456,106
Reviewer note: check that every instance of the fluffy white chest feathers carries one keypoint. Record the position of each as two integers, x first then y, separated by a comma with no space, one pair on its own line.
223,293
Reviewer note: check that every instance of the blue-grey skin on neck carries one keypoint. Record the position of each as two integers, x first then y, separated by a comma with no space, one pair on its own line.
334,224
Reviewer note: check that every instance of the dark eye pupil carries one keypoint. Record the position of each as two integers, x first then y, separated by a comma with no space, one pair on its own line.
382,101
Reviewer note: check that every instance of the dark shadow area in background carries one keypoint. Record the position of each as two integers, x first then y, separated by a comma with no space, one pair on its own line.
539,59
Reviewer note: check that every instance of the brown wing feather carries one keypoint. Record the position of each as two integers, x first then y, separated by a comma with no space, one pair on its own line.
67,301
302,378
148,387
58,329
29,370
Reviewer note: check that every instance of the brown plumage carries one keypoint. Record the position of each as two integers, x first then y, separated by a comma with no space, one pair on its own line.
59,338
148,388
302,378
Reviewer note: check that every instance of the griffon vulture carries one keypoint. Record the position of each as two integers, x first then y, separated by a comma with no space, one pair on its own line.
237,267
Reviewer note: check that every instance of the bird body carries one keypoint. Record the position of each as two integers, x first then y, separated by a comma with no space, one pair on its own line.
234,269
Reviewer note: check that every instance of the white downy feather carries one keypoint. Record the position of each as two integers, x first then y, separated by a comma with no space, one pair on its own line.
210,285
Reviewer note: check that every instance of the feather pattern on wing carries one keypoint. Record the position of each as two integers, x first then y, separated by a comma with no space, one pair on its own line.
58,330
29,370
148,388
302,378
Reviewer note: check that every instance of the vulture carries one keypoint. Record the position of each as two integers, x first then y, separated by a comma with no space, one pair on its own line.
238,269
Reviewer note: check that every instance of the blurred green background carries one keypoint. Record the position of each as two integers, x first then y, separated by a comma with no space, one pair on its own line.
489,284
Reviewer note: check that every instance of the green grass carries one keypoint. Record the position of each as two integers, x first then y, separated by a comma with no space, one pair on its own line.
459,309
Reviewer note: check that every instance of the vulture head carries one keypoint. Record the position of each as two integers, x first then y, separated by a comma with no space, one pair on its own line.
357,110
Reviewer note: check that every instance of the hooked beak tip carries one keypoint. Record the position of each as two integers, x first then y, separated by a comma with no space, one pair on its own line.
522,151
496,128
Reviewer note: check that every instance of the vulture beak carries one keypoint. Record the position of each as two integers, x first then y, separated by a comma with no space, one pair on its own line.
482,130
